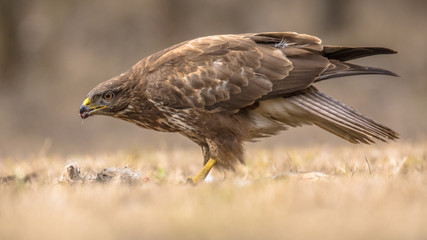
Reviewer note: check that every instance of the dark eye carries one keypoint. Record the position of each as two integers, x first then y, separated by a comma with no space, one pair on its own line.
108,95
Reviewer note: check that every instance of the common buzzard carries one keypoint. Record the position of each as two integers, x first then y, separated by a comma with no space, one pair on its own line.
220,91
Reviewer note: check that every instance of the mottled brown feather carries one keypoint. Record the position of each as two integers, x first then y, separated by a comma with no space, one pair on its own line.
220,91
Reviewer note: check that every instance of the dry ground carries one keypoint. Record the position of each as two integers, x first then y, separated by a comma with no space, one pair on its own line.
360,192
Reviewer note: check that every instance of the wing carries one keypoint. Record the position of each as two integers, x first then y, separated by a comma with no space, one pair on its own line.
229,72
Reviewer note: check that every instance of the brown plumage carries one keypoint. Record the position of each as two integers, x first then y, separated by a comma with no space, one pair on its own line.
221,91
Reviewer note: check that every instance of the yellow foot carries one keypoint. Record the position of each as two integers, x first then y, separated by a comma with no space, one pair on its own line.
203,173
190,180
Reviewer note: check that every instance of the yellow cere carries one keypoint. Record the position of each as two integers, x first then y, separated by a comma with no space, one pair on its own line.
86,102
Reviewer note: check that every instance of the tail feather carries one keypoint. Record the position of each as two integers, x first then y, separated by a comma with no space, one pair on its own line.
314,107
340,119
332,115
353,115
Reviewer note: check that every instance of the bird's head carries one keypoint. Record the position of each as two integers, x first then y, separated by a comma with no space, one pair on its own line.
108,98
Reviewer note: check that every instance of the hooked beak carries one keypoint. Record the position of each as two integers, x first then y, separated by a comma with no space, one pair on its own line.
87,109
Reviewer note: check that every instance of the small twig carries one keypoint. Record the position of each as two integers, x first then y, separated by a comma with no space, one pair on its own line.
369,166
398,168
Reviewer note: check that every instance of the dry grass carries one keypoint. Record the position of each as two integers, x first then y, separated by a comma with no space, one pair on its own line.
370,192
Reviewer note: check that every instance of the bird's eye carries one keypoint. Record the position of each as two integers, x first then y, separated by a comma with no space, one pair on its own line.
108,95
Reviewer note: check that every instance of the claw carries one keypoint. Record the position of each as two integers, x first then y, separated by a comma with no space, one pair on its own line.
190,181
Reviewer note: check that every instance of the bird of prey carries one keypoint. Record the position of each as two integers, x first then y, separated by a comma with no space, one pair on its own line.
223,90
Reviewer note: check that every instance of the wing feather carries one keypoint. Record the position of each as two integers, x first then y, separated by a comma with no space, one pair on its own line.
230,72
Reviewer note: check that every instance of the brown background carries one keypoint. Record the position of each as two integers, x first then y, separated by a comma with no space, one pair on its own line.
53,52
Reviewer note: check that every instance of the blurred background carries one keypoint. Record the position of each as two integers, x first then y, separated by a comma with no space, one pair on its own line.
53,52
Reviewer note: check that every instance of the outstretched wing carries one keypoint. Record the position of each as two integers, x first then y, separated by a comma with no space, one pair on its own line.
229,72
